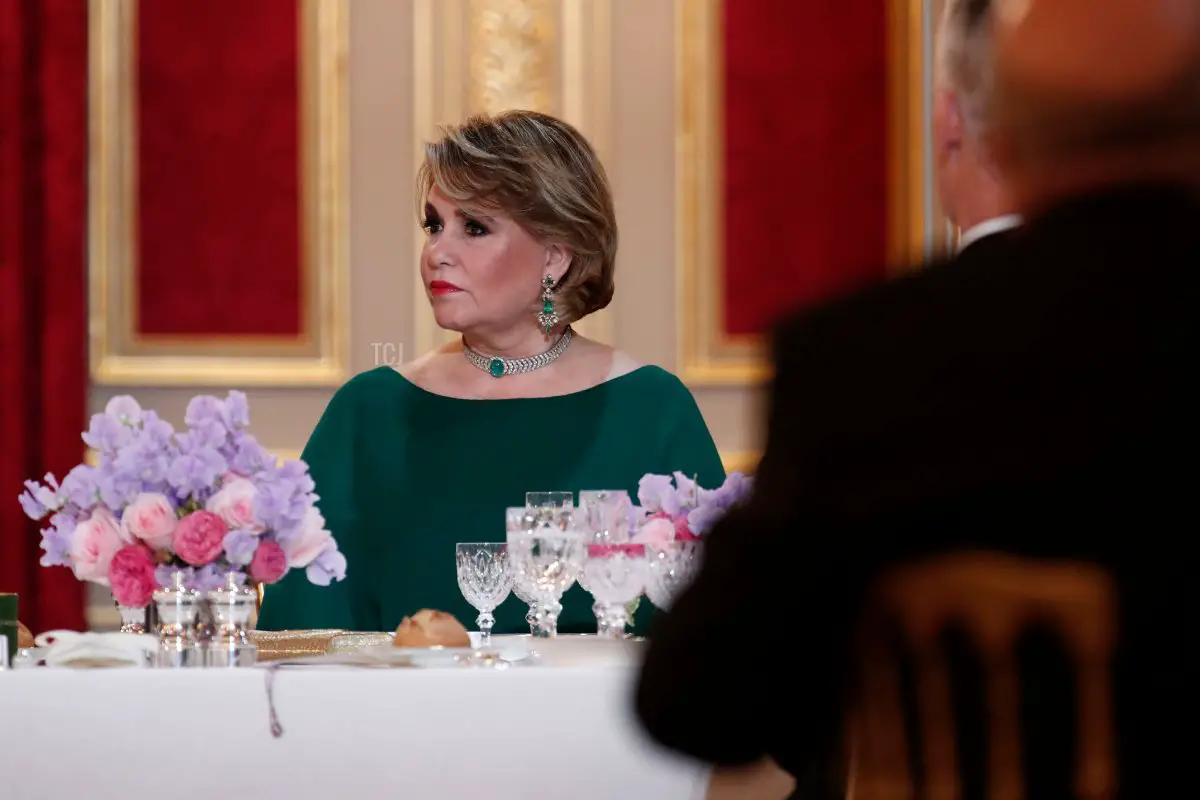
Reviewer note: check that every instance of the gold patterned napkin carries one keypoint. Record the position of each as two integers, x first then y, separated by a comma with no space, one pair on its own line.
275,645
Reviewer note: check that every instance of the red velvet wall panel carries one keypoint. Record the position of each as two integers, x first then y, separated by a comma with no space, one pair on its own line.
43,318
217,87
806,144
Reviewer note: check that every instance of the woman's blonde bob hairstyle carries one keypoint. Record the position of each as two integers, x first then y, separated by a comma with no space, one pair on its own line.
545,175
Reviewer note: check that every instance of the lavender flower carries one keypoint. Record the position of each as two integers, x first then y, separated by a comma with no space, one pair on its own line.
107,434
329,566
247,457
56,541
124,409
716,503
37,500
239,546
235,411
195,473
284,498
79,487
657,493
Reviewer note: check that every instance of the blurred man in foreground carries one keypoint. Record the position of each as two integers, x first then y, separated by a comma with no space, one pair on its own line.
1041,403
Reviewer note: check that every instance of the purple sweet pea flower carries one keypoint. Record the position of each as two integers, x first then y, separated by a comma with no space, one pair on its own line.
247,456
202,409
146,462
38,500
79,487
239,546
106,434
329,566
655,492
116,488
156,430
56,541
195,473
235,411
125,410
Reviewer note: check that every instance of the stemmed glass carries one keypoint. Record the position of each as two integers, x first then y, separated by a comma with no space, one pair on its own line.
616,575
606,513
484,580
672,566
545,556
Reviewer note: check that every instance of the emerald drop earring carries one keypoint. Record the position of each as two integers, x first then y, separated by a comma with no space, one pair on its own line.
547,317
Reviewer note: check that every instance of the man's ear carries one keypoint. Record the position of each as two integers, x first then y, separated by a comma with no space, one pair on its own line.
949,130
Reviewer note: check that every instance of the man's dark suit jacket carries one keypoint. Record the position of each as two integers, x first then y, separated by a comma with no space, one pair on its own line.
1036,396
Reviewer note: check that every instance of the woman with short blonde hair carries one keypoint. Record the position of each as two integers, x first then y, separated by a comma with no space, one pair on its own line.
521,242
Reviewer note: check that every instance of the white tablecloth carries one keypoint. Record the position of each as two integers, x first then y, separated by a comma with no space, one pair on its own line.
531,733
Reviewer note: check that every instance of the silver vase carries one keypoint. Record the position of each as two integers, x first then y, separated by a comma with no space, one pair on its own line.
231,606
133,619
177,608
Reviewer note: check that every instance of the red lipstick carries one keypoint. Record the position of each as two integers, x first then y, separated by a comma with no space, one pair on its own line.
438,288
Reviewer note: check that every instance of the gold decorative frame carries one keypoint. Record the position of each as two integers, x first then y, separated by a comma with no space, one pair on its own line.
472,56
119,354
706,355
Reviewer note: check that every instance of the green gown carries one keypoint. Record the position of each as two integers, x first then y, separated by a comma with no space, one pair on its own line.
404,474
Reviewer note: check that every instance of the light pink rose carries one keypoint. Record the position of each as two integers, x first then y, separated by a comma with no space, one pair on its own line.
269,562
235,504
151,519
131,575
303,548
199,538
93,544
656,530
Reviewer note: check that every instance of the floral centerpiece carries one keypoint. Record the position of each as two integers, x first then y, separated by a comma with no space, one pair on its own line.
207,506
675,507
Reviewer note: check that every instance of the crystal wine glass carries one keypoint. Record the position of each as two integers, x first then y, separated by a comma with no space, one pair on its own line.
484,580
607,514
672,566
616,575
545,560
521,520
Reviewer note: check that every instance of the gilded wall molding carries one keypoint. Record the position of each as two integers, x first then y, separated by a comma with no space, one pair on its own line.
472,56
119,355
706,355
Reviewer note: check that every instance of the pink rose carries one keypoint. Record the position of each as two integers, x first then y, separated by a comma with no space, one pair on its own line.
151,519
93,544
312,539
235,504
199,538
683,533
631,549
269,563
656,530
131,575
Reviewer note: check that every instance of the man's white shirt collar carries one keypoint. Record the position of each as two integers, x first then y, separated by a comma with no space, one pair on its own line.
987,228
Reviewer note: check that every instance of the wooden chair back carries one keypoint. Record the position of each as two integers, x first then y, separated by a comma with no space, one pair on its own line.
762,781
993,599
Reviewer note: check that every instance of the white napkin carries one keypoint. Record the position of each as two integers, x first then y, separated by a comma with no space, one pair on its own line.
62,648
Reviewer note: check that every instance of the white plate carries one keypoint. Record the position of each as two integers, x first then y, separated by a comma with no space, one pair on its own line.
586,650
511,650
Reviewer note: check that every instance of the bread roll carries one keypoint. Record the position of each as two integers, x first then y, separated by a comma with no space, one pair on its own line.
24,637
429,628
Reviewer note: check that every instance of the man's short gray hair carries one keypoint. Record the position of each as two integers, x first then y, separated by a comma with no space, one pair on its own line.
966,58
